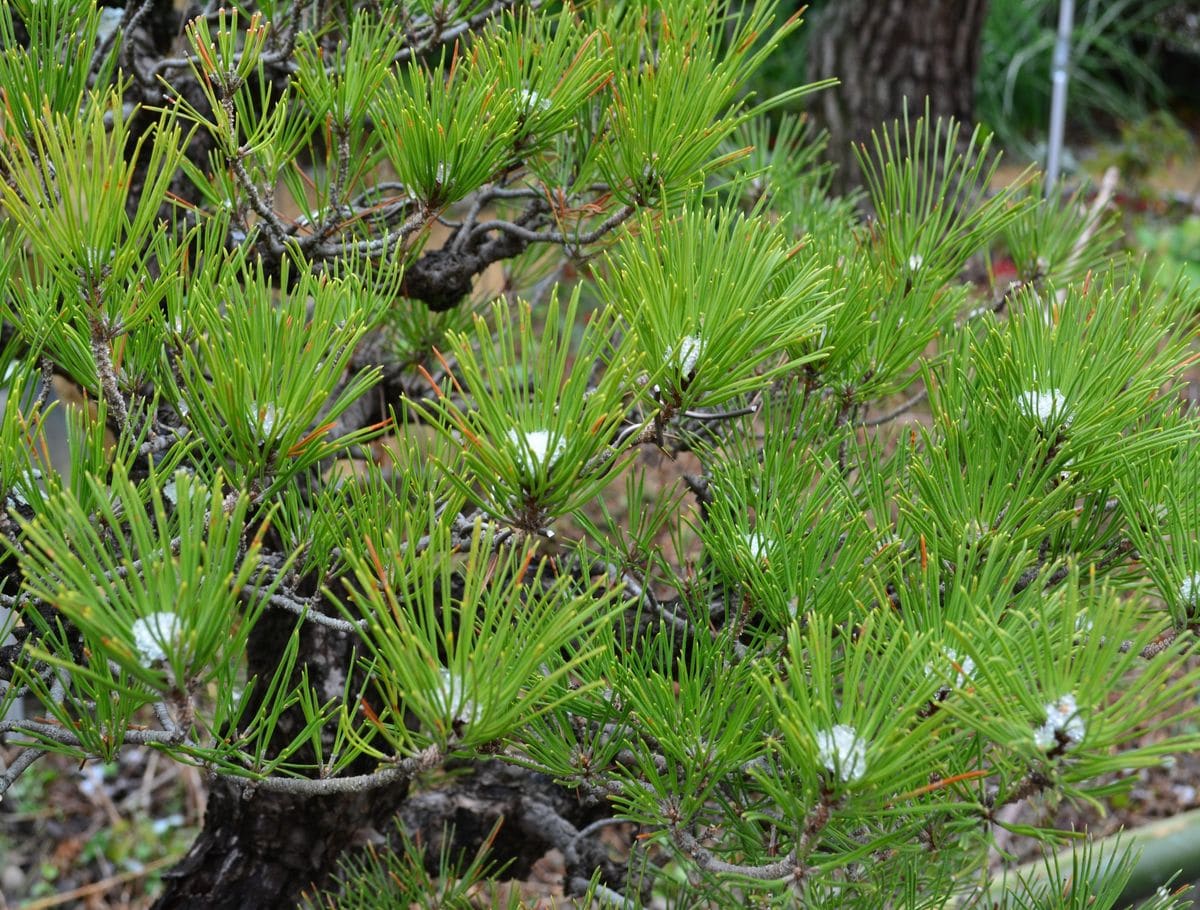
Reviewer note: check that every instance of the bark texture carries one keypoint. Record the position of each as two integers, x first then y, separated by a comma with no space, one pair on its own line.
887,51
536,815
260,850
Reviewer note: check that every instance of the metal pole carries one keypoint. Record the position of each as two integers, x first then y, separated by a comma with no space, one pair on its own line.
1058,97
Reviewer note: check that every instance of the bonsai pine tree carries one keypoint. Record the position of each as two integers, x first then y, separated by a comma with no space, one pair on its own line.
380,315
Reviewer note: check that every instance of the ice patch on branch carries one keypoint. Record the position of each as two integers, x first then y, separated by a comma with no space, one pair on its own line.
263,419
842,753
30,479
1062,720
1044,407
170,490
758,546
532,101
151,632
1189,590
963,667
537,449
451,698
688,355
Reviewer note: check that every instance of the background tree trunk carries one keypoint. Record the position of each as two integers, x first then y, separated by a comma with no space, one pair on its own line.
886,51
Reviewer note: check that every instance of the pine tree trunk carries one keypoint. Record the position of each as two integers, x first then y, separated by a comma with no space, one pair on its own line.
260,853
884,52
260,850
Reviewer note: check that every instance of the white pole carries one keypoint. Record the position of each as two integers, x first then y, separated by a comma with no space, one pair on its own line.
1058,97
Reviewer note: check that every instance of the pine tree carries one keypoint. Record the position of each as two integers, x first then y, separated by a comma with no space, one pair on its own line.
366,536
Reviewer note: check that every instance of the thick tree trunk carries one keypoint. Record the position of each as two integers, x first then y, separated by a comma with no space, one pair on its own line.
259,853
887,52
259,850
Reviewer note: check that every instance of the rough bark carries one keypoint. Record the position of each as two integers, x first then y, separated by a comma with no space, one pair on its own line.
887,52
259,853
259,850
536,815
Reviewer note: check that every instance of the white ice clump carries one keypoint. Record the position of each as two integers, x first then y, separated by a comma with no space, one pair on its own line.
170,489
263,419
1045,407
1189,590
537,448
688,355
532,101
31,478
963,667
97,258
110,20
842,753
1062,718
167,823
758,546
150,632
450,696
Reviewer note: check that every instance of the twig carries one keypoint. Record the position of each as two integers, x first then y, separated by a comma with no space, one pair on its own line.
102,355
580,886
710,862
422,41
899,411
55,733
389,242
337,189
64,736
19,766
306,786
136,566
1005,816
462,532
721,415
644,596
303,608
1104,194
995,305
791,866
1118,550
599,823
45,382
129,24
270,221
612,221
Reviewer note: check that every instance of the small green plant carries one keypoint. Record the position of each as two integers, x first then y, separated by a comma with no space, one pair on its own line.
1176,247
377,878
1149,143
